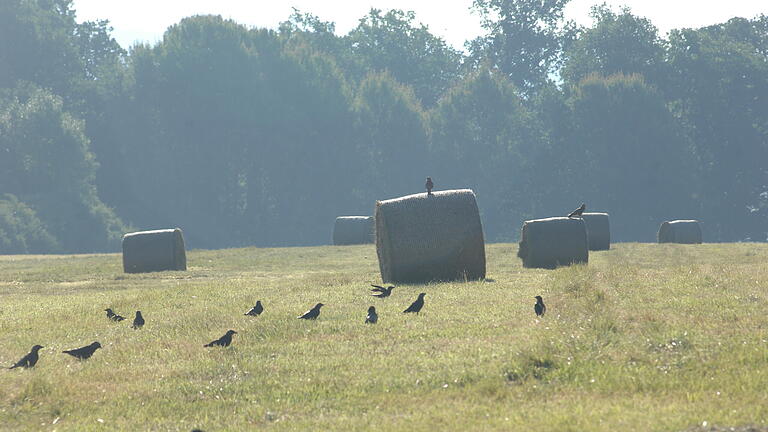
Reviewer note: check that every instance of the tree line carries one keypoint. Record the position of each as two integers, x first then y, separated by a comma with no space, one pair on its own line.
247,136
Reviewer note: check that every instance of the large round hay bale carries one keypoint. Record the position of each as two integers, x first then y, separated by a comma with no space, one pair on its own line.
149,251
680,231
598,230
549,243
349,230
422,238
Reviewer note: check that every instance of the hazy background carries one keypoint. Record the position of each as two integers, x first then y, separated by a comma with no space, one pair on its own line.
260,126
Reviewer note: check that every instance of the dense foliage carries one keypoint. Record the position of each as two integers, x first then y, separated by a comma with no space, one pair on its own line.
261,137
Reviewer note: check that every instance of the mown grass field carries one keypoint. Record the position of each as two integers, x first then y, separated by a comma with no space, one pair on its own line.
646,337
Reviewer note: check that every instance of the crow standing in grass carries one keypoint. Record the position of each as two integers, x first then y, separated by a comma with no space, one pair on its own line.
381,292
85,352
578,211
222,341
256,310
372,317
429,186
28,360
113,316
540,308
312,313
138,322
416,305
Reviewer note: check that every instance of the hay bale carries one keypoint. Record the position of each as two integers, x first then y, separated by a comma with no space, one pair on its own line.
349,230
680,231
149,251
421,238
549,243
598,231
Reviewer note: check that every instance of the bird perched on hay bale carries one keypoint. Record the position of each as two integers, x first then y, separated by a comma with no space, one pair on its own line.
578,212
312,313
256,310
680,231
223,341
372,317
552,242
382,292
83,353
416,305
540,308
429,185
29,360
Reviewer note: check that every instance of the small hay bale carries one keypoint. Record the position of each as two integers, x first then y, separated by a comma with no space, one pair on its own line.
680,231
421,238
149,251
557,241
349,230
598,230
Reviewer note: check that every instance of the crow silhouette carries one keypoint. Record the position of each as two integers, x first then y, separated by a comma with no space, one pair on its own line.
256,310
222,341
85,352
113,316
578,211
540,308
28,360
416,305
138,322
372,317
429,185
312,313
382,292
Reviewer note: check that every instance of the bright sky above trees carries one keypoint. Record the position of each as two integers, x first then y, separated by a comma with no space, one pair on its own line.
146,20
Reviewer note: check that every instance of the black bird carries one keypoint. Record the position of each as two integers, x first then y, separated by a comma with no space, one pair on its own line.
312,313
113,316
222,341
256,310
138,322
540,307
429,185
578,211
84,352
372,317
381,292
416,305
28,360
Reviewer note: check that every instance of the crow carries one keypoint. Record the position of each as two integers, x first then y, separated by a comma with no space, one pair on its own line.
222,341
138,322
372,317
382,292
578,211
85,352
312,313
416,305
113,316
429,185
256,310
540,308
28,360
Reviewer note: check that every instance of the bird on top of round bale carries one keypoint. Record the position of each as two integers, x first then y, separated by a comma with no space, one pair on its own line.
578,211
429,186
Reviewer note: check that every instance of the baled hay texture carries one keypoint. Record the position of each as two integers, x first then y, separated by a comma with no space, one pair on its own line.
549,243
598,231
680,231
349,230
421,238
148,251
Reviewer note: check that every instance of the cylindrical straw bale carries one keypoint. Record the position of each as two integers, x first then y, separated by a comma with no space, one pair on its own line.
598,230
680,231
150,251
422,238
349,230
552,242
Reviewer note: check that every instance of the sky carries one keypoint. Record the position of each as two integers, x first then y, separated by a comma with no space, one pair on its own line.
147,20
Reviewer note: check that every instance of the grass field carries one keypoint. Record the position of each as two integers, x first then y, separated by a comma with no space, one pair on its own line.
646,337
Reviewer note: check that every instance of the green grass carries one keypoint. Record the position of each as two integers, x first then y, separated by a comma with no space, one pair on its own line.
646,337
